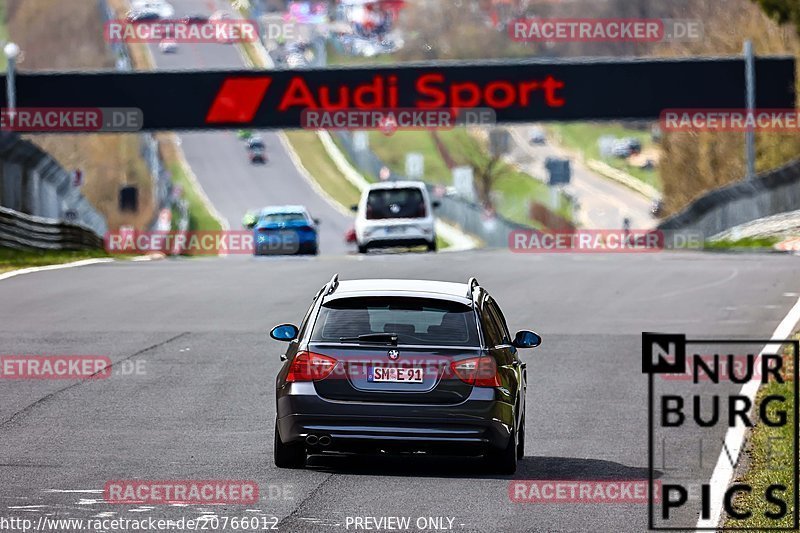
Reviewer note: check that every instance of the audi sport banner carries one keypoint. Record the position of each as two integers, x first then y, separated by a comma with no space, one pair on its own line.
517,91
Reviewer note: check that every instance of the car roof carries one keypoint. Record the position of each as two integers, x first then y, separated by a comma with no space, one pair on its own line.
397,185
414,288
282,209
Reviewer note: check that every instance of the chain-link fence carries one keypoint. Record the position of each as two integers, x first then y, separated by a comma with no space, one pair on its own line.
472,218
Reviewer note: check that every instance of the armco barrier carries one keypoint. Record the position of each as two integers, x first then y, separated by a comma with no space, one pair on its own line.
32,182
18,230
770,193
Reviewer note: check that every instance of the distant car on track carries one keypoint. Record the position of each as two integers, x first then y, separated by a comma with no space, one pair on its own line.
657,208
143,15
195,18
621,149
168,46
219,15
258,155
161,7
408,366
395,213
282,230
350,235
537,136
255,141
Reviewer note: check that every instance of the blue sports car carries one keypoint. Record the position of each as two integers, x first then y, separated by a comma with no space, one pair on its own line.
280,230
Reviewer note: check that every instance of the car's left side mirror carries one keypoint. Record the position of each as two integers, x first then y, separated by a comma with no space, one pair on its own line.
316,221
284,332
527,339
436,203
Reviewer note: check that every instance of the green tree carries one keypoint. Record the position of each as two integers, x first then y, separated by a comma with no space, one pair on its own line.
783,11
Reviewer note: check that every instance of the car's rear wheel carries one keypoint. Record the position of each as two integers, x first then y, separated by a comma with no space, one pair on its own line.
504,461
288,455
432,246
363,248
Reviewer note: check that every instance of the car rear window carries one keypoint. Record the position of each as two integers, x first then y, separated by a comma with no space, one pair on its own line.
415,320
395,203
283,218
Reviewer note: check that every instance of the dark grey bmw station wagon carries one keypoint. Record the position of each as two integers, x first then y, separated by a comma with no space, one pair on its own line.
398,366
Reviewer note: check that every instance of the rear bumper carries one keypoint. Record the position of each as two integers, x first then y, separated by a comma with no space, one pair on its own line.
304,242
388,243
472,427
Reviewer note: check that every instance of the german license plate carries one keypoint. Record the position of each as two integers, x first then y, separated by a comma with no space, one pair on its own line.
382,374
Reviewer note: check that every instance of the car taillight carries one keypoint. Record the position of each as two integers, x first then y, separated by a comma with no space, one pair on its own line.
477,371
310,366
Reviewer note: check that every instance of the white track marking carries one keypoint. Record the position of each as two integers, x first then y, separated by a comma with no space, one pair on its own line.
735,436
31,270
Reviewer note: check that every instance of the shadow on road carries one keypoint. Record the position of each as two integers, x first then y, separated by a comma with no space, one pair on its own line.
544,468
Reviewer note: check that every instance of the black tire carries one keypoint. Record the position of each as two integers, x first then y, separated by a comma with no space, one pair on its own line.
521,440
504,461
432,246
288,455
363,248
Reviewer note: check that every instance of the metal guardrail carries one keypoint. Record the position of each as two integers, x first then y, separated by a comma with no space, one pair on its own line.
21,231
770,193
31,181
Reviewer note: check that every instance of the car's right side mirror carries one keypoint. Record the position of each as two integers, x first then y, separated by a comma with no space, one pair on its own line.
436,203
354,208
527,339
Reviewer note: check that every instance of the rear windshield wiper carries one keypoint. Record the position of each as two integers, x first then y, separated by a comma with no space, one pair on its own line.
382,338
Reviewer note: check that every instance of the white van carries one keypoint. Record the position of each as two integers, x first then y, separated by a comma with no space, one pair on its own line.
395,213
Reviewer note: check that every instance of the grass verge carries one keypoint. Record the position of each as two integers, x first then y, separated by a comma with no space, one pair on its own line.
314,158
514,189
200,218
14,259
583,137
750,243
392,150
769,456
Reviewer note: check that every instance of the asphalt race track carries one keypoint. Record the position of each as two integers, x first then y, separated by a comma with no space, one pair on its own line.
204,406
220,162
191,395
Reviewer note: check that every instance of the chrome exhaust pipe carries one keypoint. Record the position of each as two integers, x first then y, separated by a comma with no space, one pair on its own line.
311,440
324,440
